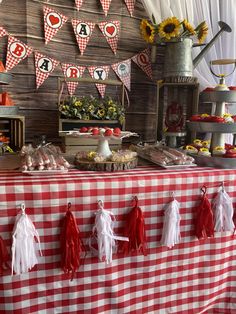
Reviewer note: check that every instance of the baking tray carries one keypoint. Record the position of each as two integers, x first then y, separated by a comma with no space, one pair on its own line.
212,127
216,162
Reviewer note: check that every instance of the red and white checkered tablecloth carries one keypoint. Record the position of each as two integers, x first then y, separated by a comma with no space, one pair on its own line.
193,277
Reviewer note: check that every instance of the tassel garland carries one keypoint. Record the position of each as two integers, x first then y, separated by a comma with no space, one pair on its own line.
71,244
223,209
4,256
204,226
24,252
135,231
171,226
104,234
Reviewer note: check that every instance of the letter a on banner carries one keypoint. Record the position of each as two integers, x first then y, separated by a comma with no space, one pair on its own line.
72,71
16,52
142,59
123,71
99,73
83,32
44,66
78,4
53,21
105,5
130,6
111,31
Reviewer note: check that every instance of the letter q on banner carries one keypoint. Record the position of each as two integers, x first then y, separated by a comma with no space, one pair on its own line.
142,59
16,52
44,66
72,71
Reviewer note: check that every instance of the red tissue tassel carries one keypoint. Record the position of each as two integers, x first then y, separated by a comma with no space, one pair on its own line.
4,256
204,226
71,244
135,231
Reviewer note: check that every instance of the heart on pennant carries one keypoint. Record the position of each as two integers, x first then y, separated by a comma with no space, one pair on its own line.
110,30
54,19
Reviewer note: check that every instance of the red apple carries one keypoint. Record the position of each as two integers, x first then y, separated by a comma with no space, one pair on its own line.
84,129
108,132
95,131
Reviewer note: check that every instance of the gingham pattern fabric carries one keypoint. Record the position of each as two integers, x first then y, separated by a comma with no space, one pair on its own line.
82,41
191,278
41,76
3,32
101,87
53,22
130,6
124,76
142,59
111,30
105,5
72,85
13,59
78,4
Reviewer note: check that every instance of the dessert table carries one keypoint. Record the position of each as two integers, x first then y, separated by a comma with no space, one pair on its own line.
195,276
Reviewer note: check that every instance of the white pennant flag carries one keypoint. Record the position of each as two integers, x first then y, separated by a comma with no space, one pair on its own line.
16,52
123,71
53,22
105,5
78,4
111,32
130,6
3,32
72,71
44,67
142,59
99,73
83,31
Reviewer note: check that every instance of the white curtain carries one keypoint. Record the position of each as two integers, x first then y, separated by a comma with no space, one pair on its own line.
196,11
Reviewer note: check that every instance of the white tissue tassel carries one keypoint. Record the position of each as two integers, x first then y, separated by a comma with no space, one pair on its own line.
24,252
223,212
171,226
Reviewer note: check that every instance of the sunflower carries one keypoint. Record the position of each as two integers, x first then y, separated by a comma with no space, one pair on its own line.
169,28
202,31
147,31
188,27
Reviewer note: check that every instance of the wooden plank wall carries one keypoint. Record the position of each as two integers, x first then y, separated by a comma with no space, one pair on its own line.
24,19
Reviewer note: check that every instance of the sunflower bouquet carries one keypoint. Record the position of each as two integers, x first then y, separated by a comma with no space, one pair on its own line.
172,29
91,108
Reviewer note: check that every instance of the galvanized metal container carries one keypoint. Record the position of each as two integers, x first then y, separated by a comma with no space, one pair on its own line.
178,58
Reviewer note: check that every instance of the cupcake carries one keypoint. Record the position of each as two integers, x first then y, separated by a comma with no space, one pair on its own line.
228,118
206,144
204,152
218,151
197,143
190,149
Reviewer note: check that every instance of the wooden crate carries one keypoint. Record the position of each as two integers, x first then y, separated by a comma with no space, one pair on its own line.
13,126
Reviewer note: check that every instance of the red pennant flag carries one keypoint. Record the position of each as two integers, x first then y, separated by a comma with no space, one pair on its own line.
123,71
83,32
53,22
78,4
142,59
99,73
111,31
16,52
105,5
44,67
130,6
3,32
72,71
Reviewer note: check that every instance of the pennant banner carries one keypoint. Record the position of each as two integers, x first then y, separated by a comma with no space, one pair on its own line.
16,52
123,71
105,5
44,66
53,21
99,73
78,4
72,71
3,32
142,59
83,32
130,6
111,31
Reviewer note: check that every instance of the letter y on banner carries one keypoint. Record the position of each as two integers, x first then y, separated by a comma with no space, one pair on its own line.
16,52
72,71
99,73
44,67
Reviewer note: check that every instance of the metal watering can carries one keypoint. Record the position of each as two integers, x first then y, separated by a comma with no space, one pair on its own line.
178,55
